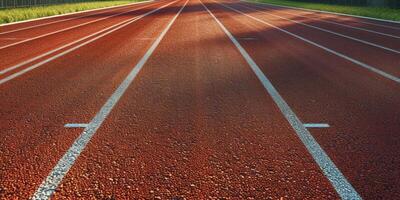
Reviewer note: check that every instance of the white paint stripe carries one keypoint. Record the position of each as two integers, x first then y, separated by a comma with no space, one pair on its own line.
334,13
65,29
104,10
72,13
47,188
329,22
75,125
359,63
327,31
339,182
313,125
19,73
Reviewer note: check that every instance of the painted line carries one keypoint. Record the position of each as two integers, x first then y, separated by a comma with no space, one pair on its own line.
119,26
104,10
72,13
327,31
359,63
65,29
247,38
313,125
339,182
328,12
76,125
328,21
50,184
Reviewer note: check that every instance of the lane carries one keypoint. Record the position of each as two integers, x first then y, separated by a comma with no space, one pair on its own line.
376,25
40,22
195,123
330,20
380,40
33,63
15,55
371,58
68,90
25,36
379,62
360,107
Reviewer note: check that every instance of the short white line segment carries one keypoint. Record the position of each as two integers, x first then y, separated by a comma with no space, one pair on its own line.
50,184
313,125
359,63
337,179
75,125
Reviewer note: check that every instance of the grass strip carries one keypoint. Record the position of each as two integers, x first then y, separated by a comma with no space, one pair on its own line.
375,12
20,14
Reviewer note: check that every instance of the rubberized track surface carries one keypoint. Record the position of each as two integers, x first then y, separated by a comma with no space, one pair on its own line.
200,100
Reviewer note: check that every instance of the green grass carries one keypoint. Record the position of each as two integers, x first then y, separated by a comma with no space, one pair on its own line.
19,14
375,12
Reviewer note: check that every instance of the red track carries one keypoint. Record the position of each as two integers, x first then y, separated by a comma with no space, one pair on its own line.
196,122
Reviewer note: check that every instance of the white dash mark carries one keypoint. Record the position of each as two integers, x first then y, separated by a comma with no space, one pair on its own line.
316,125
76,125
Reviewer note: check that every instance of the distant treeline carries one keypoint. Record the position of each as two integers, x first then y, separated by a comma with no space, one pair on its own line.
26,3
384,3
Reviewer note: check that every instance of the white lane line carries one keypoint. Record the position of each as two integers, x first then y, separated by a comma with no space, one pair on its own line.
49,185
337,179
104,10
315,125
359,63
119,26
12,38
247,38
330,22
327,31
67,14
75,125
334,13
65,29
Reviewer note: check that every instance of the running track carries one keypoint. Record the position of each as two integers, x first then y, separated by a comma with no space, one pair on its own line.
200,100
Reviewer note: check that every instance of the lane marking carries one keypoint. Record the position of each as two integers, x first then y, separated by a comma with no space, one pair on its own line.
65,29
119,26
247,38
314,125
337,179
72,13
359,63
106,9
75,125
11,38
50,184
327,31
334,13
325,20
